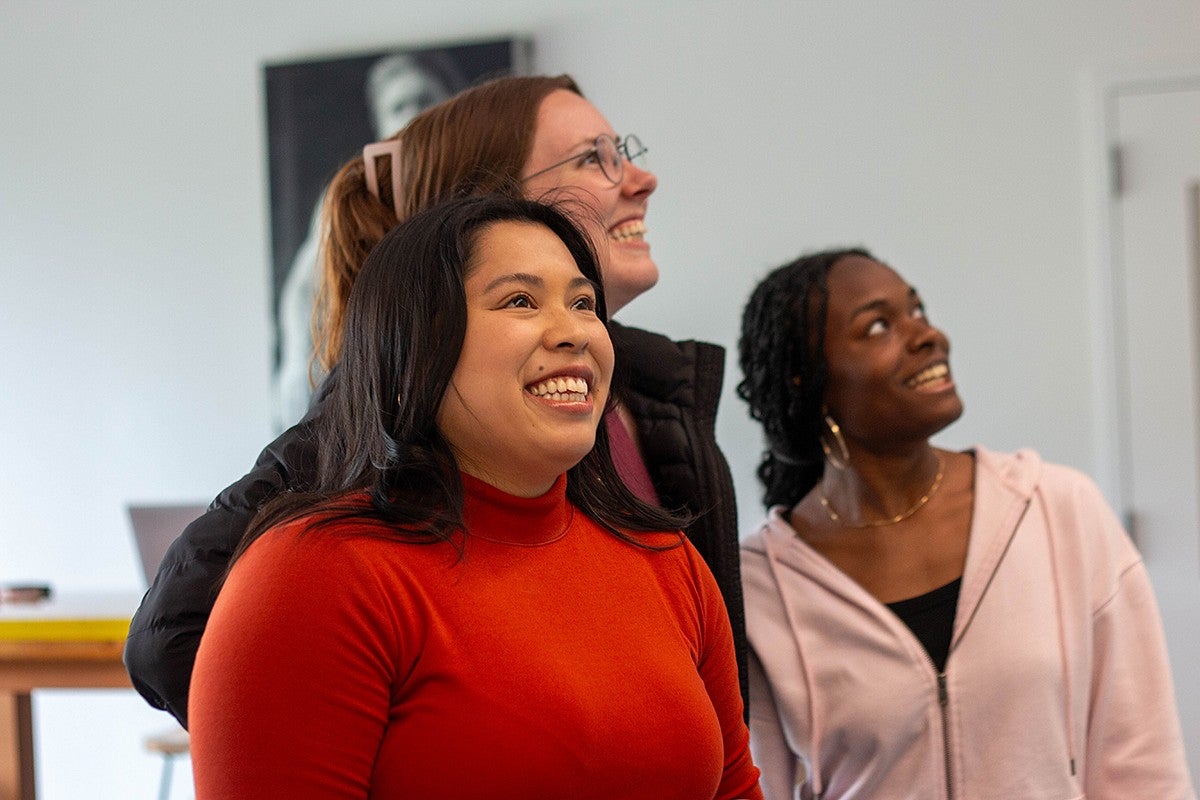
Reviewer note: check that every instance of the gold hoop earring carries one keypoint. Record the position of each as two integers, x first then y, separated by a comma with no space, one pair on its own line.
840,459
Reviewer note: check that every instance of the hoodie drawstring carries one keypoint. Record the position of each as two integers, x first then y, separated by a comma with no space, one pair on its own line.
815,724
1063,653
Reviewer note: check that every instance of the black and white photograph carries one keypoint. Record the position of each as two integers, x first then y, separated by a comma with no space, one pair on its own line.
320,113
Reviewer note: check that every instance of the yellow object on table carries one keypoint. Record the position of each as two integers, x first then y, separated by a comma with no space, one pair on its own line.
68,641
90,617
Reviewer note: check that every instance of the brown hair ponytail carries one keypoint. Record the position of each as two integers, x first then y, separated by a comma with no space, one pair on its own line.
474,143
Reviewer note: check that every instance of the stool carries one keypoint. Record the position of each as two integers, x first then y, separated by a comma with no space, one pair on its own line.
170,745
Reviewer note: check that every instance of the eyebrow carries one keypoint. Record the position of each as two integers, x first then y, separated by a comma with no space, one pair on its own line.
880,303
528,279
588,143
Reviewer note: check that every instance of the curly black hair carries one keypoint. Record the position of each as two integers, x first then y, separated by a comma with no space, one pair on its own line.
782,356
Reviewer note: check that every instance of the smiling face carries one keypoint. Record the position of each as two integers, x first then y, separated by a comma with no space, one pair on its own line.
567,124
889,380
532,379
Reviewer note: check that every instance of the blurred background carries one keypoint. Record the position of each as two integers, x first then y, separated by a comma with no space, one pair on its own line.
969,144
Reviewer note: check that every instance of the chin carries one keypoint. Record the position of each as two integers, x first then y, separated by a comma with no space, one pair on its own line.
568,455
625,281
947,419
647,277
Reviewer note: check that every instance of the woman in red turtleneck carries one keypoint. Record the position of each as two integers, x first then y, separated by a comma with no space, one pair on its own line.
473,603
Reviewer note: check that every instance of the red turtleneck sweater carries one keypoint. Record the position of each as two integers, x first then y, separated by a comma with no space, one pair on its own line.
552,660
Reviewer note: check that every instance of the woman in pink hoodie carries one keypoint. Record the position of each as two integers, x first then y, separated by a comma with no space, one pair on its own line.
930,624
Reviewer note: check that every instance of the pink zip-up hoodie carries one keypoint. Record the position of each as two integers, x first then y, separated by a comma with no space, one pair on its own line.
1057,685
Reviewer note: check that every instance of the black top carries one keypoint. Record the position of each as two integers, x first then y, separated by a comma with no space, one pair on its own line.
672,393
930,617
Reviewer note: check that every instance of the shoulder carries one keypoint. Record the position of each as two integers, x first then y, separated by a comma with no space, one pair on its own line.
666,552
1020,470
675,561
346,581
774,526
638,341
303,594
659,353
1025,472
774,535
1074,511
683,374
321,553
754,545
289,462
313,545
778,573
293,455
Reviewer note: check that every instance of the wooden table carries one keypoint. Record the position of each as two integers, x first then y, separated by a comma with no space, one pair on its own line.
74,642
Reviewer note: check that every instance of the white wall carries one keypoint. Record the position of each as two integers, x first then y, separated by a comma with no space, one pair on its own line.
950,137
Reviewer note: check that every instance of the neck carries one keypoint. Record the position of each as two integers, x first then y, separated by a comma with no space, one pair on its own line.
515,482
881,489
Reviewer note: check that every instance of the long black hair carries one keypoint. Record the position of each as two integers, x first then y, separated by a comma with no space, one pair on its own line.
782,356
406,320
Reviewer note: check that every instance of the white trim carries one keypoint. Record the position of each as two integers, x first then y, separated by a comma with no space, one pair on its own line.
1109,382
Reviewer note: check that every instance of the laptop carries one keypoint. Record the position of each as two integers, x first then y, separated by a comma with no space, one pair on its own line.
155,527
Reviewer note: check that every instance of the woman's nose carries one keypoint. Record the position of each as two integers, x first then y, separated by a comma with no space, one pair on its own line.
566,331
924,335
637,181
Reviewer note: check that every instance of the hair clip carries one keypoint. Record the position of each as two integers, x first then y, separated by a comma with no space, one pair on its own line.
388,147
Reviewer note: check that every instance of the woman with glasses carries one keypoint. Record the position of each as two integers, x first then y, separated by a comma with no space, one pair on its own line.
527,136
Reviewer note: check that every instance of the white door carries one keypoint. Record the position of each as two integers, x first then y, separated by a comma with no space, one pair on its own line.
1156,237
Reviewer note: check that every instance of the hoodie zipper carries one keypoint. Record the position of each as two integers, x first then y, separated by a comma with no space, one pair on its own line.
944,702
943,690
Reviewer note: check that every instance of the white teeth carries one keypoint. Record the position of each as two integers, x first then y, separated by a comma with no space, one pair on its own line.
630,230
560,389
931,374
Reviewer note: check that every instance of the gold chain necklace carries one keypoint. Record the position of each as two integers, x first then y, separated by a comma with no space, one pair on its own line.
937,481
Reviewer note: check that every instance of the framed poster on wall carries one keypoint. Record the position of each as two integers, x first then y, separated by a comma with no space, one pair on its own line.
320,113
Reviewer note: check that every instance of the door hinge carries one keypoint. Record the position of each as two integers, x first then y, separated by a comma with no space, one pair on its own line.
1116,170
1131,526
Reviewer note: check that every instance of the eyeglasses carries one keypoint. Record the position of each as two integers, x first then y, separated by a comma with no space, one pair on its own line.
610,153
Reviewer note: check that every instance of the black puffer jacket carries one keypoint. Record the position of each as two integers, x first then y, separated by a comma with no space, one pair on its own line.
673,389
